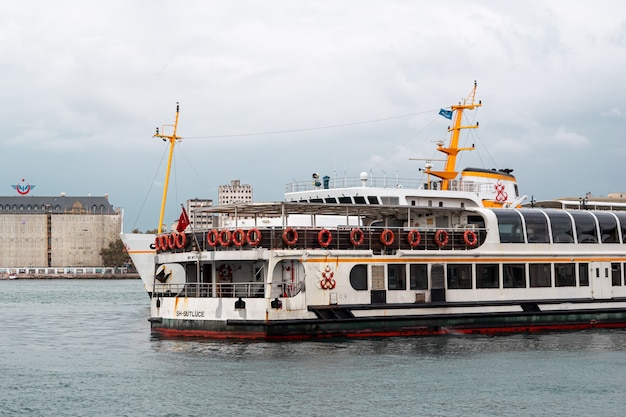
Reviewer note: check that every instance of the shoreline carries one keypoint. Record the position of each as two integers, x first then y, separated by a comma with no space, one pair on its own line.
72,276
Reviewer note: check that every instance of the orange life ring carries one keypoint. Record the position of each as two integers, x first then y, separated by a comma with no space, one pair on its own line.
239,237
212,238
224,237
441,238
171,241
387,237
181,240
356,236
253,237
324,237
294,236
414,238
164,242
470,238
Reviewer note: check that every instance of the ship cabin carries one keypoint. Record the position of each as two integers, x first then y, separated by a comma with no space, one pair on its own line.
423,252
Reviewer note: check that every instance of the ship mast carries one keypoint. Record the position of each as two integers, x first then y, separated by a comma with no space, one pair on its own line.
172,139
449,172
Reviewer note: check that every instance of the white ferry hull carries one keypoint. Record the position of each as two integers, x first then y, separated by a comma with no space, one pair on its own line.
441,320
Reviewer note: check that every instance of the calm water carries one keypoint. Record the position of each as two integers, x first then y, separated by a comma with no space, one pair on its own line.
83,348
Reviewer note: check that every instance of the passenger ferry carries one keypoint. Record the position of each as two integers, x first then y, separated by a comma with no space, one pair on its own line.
455,255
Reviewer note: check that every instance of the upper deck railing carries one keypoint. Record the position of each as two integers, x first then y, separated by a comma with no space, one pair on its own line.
384,182
377,239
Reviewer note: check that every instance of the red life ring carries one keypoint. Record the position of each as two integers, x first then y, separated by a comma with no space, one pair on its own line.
224,237
356,236
414,238
253,237
324,237
164,242
171,240
239,237
212,237
294,236
470,238
157,243
441,238
387,237
181,240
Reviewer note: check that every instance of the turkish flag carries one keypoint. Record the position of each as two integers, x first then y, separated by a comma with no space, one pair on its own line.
183,221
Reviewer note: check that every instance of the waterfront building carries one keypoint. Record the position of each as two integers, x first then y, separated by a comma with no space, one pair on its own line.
61,231
199,220
235,193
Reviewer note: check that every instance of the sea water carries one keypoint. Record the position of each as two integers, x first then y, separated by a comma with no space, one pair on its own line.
83,348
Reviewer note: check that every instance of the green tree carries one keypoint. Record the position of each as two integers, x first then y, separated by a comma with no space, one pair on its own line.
115,254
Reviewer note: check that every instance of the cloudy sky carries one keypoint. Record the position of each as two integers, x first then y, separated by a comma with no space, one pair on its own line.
350,85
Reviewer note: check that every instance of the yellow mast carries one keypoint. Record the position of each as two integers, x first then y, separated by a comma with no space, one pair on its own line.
172,139
449,172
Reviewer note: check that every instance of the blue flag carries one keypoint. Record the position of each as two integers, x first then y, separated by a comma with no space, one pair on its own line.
446,113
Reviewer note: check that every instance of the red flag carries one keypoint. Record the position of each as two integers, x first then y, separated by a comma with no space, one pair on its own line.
183,221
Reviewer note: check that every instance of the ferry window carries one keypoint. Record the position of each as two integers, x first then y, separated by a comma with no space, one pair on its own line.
510,226
316,200
608,227
564,275
345,200
487,276
358,277
459,276
539,275
359,199
622,220
418,276
372,199
586,230
616,274
514,275
536,226
477,221
561,225
390,200
331,200
583,275
396,277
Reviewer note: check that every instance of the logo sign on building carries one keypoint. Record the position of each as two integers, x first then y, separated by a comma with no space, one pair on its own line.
23,187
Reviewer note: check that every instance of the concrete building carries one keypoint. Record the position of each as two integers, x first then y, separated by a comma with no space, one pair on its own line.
60,231
199,220
234,193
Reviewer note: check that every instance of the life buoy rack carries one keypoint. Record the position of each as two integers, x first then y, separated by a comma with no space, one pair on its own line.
212,238
387,237
225,273
239,237
356,236
324,238
470,238
441,238
224,237
290,236
253,237
414,238
180,239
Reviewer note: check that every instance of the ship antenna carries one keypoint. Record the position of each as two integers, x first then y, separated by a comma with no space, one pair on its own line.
172,139
449,172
